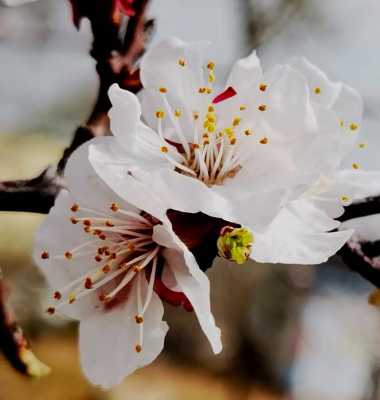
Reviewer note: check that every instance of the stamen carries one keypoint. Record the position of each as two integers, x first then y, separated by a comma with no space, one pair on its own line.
262,107
45,255
264,140
317,90
138,348
263,87
74,207
353,127
160,114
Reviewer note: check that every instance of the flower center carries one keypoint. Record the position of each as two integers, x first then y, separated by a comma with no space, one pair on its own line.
123,249
212,155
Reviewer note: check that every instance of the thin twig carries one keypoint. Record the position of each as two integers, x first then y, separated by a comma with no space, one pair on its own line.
14,344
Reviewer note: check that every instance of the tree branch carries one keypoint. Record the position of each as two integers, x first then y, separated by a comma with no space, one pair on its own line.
14,344
116,55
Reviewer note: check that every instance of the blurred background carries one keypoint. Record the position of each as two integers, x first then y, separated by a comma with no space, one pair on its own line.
289,332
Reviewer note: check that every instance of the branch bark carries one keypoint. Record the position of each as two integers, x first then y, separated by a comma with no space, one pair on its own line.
14,344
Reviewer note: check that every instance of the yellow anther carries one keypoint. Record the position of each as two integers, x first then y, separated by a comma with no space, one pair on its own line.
262,107
345,198
211,77
177,113
206,124
163,89
208,90
182,62
236,121
138,348
202,90
114,207
233,140
354,127
74,207
164,149
317,90
248,132
355,166
71,298
229,132
341,123
211,109
211,117
211,65
263,87
362,145
211,128
264,140
242,108
160,114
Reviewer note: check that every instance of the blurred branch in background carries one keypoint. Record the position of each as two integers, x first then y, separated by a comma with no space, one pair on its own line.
14,344
358,254
118,43
269,17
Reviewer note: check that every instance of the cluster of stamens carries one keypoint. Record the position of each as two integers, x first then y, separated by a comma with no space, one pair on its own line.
212,155
121,245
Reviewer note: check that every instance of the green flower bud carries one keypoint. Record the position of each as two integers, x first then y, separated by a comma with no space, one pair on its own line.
235,244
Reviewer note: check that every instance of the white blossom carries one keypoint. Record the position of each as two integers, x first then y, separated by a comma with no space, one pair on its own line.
102,256
265,151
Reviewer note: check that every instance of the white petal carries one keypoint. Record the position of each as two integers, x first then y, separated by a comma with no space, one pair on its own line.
245,72
322,90
192,281
349,106
115,173
187,194
299,235
124,114
160,68
107,340
160,65
85,185
58,235
357,184
139,141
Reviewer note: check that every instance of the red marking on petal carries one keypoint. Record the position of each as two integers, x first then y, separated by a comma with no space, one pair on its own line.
174,298
178,146
126,7
227,94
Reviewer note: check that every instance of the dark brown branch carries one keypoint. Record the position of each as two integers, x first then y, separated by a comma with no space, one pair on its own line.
359,257
364,208
35,195
14,344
